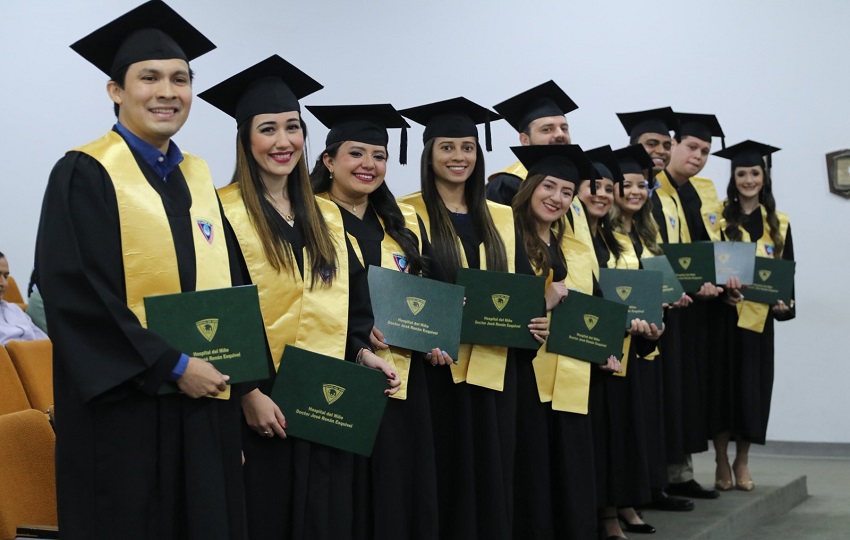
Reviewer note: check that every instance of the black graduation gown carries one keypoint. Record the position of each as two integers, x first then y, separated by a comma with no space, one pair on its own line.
741,377
554,482
129,464
616,411
474,432
652,397
400,476
686,349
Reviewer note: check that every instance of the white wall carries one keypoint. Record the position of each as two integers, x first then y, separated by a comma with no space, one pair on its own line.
776,75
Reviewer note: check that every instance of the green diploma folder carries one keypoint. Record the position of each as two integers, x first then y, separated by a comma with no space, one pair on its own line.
416,313
330,401
640,290
774,281
693,263
734,259
588,328
500,306
671,288
221,326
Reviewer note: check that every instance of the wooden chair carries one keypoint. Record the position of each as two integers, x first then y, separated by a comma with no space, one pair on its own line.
27,477
13,294
33,360
13,398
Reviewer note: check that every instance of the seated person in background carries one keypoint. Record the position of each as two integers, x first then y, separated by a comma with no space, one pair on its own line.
14,323
35,304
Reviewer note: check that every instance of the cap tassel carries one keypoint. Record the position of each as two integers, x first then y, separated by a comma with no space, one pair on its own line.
622,189
593,185
402,148
488,140
723,142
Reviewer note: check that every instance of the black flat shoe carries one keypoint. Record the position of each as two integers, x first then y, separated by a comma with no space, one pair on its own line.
665,503
643,528
693,489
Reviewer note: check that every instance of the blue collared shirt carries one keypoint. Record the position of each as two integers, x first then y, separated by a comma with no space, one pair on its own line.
161,163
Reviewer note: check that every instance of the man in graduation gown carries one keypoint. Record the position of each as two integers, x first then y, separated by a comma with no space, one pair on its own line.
539,115
687,209
125,217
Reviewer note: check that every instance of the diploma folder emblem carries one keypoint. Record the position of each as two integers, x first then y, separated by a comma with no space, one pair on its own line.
723,258
332,392
415,304
685,262
207,328
500,301
590,320
624,292
764,274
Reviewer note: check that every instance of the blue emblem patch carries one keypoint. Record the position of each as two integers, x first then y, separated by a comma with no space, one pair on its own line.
672,222
400,261
206,229
769,249
712,218
577,208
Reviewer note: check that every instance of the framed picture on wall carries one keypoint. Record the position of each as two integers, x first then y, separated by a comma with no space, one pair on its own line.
838,172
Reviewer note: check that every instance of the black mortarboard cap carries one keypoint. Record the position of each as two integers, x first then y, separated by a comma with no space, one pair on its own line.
701,126
563,161
606,164
152,31
748,154
637,123
362,123
546,99
457,117
633,159
268,87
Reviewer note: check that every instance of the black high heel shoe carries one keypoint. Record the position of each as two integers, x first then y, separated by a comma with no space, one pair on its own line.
640,528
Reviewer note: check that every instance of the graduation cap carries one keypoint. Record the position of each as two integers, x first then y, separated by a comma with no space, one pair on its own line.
633,159
268,87
748,154
152,31
607,166
701,126
362,123
637,123
563,161
544,100
455,118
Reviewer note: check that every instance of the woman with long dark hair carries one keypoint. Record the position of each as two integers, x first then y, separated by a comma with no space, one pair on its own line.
401,497
293,248
555,486
622,469
473,419
742,378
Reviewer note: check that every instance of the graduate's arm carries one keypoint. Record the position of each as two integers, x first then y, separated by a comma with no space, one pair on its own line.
502,187
102,344
360,317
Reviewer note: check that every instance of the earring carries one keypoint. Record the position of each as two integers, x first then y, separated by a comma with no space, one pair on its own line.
332,175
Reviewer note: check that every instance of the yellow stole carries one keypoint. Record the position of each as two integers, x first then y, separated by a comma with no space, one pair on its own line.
711,209
397,357
481,365
517,169
674,214
628,261
149,255
753,315
314,318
